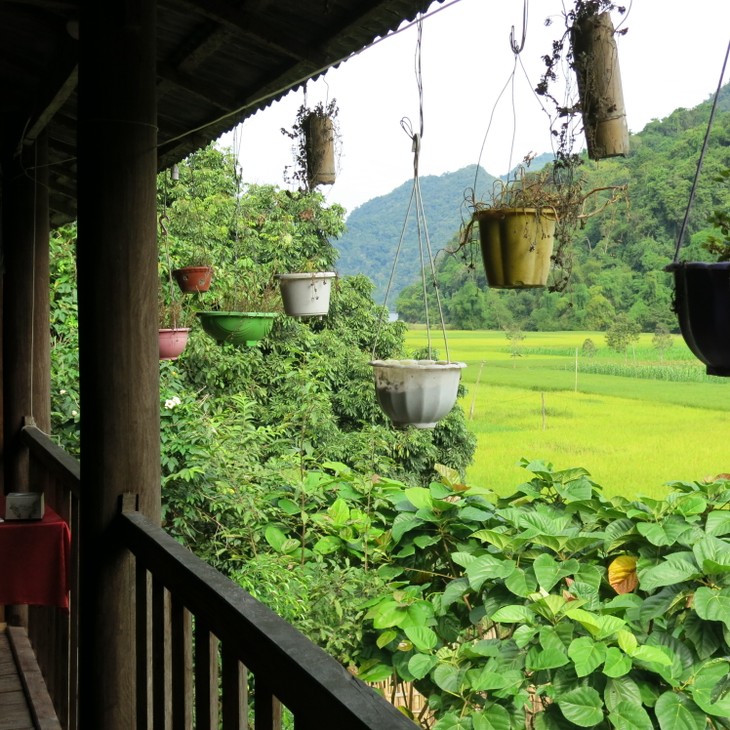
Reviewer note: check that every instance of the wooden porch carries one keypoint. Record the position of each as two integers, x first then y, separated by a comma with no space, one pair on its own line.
24,700
208,655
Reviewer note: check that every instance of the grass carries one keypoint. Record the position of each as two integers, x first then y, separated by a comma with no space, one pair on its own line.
634,421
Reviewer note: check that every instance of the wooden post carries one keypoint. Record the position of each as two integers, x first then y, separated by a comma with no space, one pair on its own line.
476,387
119,367
26,309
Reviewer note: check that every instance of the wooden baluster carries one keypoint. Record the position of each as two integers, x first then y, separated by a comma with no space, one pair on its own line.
206,677
235,692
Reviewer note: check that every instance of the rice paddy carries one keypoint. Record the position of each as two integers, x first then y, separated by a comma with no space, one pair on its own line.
635,421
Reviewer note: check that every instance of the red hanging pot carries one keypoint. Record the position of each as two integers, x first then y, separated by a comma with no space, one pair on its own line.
193,279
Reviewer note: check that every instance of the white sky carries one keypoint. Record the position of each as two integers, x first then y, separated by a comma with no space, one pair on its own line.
671,57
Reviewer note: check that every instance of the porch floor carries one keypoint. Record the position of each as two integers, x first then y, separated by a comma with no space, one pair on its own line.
23,693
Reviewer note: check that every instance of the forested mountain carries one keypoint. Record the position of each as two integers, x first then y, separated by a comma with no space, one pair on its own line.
618,257
374,229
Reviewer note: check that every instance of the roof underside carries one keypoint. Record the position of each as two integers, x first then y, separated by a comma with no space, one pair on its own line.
218,62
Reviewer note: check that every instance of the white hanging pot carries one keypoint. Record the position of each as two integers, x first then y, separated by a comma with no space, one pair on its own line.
416,392
307,294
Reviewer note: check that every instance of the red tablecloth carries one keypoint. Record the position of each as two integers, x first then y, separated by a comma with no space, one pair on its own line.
34,560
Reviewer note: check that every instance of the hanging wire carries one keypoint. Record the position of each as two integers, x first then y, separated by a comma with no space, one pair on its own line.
517,49
164,221
424,243
705,142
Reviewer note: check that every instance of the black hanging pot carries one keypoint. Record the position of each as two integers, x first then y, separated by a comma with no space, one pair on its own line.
702,304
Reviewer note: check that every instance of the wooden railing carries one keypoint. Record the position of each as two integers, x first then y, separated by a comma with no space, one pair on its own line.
208,654
52,633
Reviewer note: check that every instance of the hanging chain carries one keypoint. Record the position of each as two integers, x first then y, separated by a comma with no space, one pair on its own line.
164,220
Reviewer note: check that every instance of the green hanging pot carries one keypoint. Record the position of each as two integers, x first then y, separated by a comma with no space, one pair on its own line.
238,328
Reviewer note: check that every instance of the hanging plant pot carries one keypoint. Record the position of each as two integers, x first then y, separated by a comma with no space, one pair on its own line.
306,295
193,279
516,246
238,328
702,304
320,144
172,342
416,392
595,61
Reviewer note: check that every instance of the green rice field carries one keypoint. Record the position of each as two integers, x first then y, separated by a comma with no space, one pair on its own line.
635,421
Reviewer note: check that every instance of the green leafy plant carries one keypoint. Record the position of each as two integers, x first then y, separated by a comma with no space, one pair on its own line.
558,608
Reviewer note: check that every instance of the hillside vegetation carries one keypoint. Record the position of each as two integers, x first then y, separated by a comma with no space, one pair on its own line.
618,257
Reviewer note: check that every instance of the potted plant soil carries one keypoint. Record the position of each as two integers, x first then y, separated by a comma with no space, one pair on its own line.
416,393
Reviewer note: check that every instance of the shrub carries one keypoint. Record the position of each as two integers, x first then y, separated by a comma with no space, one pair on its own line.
559,608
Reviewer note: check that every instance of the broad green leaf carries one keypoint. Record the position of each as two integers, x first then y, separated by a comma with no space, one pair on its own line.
288,506
667,573
713,605
488,567
549,571
705,681
486,679
492,718
627,641
420,497
452,721
713,555
587,655
404,522
678,712
473,514
550,606
387,614
505,542
464,559
376,673
630,716
514,614
448,678
537,524
275,537
718,523
575,490
651,655
618,532
621,689
617,664
339,512
704,636
523,635
691,504
423,638
385,638
589,621
549,639
583,706
454,591
327,545
520,583
608,625
419,665
545,659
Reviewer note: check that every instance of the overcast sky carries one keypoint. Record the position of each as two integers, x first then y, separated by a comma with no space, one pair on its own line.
670,57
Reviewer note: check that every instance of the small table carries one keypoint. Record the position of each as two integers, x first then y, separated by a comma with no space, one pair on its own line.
34,560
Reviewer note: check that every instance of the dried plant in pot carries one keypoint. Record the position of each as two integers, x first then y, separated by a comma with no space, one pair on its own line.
316,139
527,226
588,47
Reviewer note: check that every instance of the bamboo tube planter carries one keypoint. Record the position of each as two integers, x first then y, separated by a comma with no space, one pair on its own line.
595,61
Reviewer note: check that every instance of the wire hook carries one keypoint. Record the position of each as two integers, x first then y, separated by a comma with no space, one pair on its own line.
164,219
517,49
